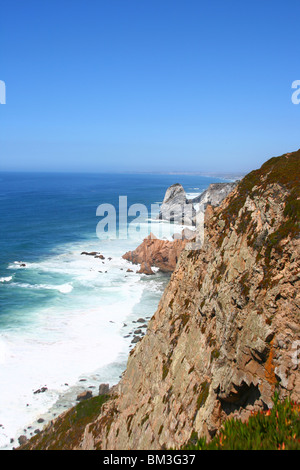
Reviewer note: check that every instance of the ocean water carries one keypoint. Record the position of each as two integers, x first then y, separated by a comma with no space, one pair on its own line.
66,319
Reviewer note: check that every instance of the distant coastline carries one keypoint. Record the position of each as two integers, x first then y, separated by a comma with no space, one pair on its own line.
223,176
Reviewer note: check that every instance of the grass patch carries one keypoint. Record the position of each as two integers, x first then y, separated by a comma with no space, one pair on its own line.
202,397
67,431
283,170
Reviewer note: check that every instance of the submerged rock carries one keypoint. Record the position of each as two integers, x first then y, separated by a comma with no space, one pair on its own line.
22,440
136,339
40,390
99,257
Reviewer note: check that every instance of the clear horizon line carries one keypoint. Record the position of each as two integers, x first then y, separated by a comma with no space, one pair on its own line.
140,172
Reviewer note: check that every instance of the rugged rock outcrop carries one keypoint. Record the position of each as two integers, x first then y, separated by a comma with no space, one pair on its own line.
145,269
103,389
162,254
84,395
214,194
226,333
176,207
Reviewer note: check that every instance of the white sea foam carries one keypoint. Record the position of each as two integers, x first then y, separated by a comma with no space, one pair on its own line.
64,288
83,334
6,279
57,349
193,195
16,265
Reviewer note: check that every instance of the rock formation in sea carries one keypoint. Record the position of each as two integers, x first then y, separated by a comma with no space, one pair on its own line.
145,269
175,206
225,335
162,254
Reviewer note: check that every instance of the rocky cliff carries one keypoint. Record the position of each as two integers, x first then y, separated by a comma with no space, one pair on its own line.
227,330
162,254
175,206
214,194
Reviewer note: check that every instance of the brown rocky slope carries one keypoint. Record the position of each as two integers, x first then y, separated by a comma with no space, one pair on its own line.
226,332
163,254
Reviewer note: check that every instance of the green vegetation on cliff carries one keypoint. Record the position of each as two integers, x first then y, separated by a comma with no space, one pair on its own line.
283,171
275,429
67,430
283,174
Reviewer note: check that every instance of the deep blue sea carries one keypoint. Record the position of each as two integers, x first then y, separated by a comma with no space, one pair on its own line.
64,316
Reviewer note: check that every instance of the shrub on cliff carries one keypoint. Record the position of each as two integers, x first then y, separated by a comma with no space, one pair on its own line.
67,430
275,429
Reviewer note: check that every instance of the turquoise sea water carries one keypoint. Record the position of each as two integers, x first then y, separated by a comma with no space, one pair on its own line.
64,316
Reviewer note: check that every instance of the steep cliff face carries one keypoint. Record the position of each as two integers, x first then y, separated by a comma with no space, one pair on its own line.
227,329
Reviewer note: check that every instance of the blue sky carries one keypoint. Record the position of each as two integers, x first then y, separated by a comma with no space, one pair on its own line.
148,85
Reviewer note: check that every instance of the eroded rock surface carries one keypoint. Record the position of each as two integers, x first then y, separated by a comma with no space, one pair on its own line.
227,329
176,207
214,194
162,254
